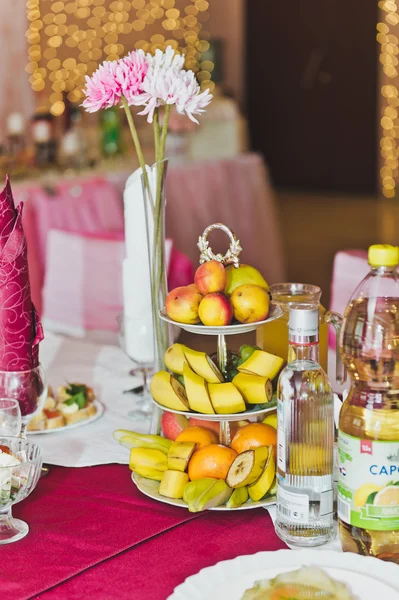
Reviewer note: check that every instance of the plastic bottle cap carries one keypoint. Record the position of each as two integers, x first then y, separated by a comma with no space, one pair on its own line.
383,255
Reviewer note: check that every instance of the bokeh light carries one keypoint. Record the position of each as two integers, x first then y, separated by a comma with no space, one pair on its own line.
68,39
388,38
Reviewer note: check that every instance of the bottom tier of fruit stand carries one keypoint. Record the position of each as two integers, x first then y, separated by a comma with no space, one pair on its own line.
150,488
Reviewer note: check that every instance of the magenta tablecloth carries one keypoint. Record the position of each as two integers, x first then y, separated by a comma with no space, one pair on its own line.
92,534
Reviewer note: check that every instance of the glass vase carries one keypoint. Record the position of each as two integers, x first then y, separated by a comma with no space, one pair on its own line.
154,202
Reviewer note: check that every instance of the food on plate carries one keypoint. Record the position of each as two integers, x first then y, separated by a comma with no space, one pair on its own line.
199,435
8,460
306,583
206,493
198,385
179,455
271,419
182,304
174,358
218,294
262,363
131,439
210,277
250,303
188,466
215,310
173,483
247,467
243,275
73,402
169,392
262,485
254,388
172,425
197,391
238,498
204,366
148,463
225,398
211,461
252,436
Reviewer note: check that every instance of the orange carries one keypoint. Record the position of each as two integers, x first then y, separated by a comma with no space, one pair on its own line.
210,425
200,435
211,461
252,436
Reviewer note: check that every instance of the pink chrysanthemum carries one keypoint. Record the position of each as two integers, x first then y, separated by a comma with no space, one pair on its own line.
167,83
131,72
124,77
102,89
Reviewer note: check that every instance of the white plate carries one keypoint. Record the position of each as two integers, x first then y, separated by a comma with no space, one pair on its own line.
368,578
99,413
232,417
275,313
150,488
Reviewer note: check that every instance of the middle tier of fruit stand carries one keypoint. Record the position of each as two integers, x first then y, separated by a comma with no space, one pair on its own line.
257,410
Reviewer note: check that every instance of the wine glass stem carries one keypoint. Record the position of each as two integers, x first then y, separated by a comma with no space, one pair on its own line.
146,389
22,433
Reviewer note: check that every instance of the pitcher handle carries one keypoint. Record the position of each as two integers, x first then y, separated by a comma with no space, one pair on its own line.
335,319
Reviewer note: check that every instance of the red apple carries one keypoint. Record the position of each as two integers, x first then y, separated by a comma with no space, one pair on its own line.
172,425
182,304
215,310
210,277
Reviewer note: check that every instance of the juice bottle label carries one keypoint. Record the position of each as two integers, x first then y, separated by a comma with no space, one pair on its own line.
368,485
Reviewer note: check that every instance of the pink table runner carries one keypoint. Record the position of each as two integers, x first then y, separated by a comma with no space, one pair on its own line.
92,533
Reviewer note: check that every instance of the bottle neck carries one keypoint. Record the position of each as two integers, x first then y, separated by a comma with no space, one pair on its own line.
300,351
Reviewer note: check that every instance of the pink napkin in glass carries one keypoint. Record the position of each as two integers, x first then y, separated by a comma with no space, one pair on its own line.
20,327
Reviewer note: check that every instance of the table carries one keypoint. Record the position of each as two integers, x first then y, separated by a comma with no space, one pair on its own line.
93,534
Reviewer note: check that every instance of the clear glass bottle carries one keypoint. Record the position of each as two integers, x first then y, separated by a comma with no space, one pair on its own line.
368,486
305,437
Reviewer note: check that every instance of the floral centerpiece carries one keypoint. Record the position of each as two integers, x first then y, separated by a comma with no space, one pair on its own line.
151,82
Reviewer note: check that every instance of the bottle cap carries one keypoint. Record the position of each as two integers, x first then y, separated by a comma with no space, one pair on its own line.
383,255
303,324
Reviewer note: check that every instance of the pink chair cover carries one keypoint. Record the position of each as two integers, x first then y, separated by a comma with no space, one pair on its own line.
350,267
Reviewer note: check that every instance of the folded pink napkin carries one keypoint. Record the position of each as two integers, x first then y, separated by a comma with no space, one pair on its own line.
20,327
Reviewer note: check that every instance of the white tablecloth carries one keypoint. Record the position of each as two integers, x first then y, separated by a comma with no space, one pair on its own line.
106,368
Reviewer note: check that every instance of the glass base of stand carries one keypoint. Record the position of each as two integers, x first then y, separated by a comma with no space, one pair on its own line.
12,530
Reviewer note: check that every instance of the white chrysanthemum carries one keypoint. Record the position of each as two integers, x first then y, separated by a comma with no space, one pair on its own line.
167,83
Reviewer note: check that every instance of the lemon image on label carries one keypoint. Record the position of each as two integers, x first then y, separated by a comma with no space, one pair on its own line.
364,492
388,496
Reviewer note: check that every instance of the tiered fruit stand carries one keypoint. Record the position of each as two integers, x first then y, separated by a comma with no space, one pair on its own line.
150,488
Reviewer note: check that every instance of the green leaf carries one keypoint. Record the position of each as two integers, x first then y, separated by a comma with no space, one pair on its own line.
79,399
370,498
73,388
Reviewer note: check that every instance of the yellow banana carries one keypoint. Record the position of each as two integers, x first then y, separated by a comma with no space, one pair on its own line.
148,459
173,483
149,473
179,455
142,440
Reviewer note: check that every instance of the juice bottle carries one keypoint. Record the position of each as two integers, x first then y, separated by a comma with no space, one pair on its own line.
368,487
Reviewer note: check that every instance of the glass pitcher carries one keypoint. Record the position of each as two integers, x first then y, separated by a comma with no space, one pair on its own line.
273,337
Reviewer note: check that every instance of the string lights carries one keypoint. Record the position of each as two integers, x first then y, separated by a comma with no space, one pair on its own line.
388,39
69,38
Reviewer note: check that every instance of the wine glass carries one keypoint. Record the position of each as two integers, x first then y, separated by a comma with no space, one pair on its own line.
17,481
29,388
137,341
10,417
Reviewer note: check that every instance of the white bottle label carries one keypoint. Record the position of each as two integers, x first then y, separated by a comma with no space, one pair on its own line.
292,506
281,449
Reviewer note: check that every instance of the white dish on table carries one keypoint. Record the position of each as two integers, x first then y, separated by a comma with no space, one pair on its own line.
367,578
150,488
99,413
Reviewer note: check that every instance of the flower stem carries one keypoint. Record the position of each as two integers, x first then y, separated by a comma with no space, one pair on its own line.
137,144
157,134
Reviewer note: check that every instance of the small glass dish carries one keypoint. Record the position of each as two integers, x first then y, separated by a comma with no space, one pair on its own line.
16,483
